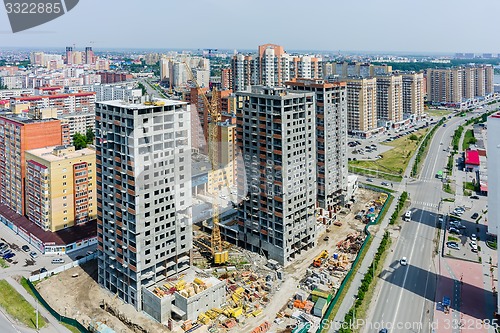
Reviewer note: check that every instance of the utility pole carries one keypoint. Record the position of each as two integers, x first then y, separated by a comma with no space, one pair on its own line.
36,313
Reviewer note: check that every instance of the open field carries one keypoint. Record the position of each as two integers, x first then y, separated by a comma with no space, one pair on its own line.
393,161
437,113
18,307
468,139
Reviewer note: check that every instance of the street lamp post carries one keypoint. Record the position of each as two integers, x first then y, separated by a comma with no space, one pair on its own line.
354,310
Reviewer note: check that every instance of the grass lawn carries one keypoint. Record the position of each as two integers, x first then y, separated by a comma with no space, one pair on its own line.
17,306
71,328
363,308
468,139
447,188
375,173
24,283
469,186
3,263
437,113
393,161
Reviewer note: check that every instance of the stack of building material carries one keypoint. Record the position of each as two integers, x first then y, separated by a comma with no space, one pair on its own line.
308,306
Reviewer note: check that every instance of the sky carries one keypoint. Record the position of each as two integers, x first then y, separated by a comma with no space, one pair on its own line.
423,26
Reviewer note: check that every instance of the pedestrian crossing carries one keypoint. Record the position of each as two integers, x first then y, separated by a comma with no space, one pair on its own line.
425,204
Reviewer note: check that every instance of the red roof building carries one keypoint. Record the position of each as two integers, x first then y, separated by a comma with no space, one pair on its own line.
472,157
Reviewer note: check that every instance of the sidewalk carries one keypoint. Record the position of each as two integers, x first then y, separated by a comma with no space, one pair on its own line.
348,300
468,284
53,325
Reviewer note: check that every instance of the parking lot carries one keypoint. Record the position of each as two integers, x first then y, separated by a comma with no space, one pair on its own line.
461,234
371,148
22,263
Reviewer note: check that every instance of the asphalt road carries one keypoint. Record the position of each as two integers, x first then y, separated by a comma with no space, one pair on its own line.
406,297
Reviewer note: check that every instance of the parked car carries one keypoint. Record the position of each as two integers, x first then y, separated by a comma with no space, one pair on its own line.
57,261
5,251
454,230
25,248
33,254
475,216
453,245
474,197
473,237
369,180
9,255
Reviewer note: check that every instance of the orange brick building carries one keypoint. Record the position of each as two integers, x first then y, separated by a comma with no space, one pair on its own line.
18,134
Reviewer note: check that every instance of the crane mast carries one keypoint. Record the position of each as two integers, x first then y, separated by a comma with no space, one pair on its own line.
219,255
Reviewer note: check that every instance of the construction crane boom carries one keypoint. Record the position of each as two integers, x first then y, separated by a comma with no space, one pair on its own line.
220,256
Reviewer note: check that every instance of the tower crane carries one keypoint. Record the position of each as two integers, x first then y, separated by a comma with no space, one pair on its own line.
219,255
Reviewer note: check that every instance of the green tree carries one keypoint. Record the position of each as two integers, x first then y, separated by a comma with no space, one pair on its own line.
89,136
79,141
413,137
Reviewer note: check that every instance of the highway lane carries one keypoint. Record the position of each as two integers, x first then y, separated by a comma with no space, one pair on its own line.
407,292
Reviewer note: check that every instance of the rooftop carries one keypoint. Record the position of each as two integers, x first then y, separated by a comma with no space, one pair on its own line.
472,157
129,105
25,120
47,153
62,237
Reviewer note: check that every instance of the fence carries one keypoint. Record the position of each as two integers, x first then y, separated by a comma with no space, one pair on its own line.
354,264
60,269
64,319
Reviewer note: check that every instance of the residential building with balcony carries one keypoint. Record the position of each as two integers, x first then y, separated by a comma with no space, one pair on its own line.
60,187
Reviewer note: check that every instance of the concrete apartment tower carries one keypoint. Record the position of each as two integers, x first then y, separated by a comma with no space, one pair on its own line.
276,133
361,106
413,94
143,194
331,134
390,98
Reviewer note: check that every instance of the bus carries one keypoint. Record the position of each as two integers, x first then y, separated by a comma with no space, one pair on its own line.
439,174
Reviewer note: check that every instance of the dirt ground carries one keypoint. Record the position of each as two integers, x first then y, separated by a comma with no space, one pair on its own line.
80,298
297,270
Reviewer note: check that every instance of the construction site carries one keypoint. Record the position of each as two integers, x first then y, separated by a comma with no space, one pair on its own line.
246,294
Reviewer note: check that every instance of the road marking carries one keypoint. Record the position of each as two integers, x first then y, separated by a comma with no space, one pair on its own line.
407,268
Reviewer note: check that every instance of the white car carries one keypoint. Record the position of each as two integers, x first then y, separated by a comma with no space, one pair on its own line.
403,261
473,237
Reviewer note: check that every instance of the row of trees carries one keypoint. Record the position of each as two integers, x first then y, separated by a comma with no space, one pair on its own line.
81,141
421,149
401,203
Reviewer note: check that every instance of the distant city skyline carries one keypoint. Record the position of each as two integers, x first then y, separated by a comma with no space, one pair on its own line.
380,26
